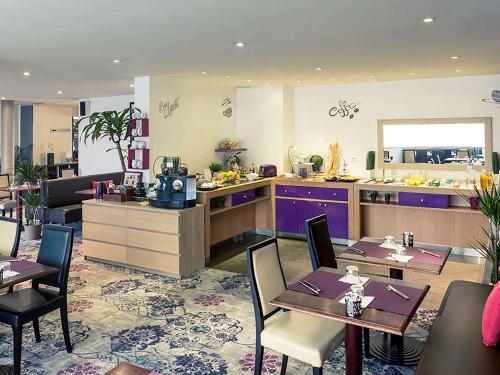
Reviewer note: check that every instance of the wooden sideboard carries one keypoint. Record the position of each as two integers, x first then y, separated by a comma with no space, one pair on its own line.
163,241
419,209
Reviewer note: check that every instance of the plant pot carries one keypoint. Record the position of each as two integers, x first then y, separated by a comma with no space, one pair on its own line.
474,203
33,232
373,196
387,198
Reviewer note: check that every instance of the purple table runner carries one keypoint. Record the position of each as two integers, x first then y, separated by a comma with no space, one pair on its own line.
327,281
385,300
372,249
389,301
19,265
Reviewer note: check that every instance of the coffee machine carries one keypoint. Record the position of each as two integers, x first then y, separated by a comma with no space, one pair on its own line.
174,189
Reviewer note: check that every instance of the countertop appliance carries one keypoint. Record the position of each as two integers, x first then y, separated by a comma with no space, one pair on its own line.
174,191
268,170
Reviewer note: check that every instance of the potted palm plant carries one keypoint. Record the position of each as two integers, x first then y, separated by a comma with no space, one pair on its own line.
489,205
26,172
110,125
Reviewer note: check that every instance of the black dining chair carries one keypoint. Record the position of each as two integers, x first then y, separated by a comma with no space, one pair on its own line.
305,337
27,305
323,255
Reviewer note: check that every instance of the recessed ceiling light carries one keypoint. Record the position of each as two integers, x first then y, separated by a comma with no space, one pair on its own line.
249,80
26,74
454,57
319,68
131,85
240,44
117,61
2,98
228,77
333,79
428,19
203,72
371,76
458,70
298,81
267,83
412,73
59,92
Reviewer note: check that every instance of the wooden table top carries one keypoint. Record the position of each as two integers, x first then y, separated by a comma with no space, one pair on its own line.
332,309
128,369
409,266
37,270
20,188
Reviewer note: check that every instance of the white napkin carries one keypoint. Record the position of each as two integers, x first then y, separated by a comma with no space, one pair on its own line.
365,301
400,258
354,280
9,273
393,247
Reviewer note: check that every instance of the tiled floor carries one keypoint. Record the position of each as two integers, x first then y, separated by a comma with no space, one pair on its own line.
296,263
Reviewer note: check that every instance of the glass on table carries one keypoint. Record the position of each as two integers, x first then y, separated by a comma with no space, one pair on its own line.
358,290
4,270
352,272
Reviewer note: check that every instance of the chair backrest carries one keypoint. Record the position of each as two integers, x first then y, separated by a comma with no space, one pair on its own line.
409,156
10,232
320,245
67,173
461,154
266,278
55,250
5,182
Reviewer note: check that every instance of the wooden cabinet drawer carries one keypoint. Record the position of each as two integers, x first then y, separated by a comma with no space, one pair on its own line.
161,262
104,233
166,243
310,192
106,251
335,194
149,221
104,215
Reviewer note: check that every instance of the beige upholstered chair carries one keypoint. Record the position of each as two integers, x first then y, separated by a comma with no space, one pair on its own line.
409,156
462,154
305,337
10,232
67,173
6,201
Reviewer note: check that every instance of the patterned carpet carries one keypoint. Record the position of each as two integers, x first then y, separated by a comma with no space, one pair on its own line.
203,325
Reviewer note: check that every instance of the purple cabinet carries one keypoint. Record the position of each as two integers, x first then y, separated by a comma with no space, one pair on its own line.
310,192
286,191
307,210
242,197
424,200
337,216
286,215
335,194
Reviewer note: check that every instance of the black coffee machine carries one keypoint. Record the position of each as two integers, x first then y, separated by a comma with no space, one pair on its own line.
174,187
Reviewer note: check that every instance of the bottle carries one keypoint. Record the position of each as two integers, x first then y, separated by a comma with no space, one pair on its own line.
484,179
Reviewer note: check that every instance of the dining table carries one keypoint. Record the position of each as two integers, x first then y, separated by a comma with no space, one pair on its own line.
387,312
18,192
423,258
24,270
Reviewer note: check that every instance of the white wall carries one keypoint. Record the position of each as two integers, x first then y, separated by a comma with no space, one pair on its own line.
92,157
315,129
260,124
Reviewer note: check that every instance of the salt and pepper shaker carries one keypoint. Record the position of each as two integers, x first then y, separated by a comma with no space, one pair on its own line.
353,301
407,239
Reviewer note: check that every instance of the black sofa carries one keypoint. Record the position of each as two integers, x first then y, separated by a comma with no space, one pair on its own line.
61,204
455,345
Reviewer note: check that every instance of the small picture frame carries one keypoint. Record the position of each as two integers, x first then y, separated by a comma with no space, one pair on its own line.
132,178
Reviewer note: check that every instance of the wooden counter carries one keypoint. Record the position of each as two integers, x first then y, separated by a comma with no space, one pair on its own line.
236,209
456,225
163,241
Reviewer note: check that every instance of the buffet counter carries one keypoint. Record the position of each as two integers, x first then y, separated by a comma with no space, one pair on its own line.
163,241
439,215
236,209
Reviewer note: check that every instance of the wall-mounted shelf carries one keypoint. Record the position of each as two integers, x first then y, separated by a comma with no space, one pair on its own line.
138,154
143,124
230,150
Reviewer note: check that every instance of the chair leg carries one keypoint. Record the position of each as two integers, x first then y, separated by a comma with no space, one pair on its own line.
65,327
3,213
10,213
317,370
36,328
284,362
18,341
366,342
259,356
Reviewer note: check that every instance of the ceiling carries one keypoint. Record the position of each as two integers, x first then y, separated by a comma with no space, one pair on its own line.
70,45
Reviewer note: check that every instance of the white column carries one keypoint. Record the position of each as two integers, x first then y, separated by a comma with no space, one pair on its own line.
7,135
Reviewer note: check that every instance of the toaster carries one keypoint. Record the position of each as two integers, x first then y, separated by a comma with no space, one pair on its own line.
268,170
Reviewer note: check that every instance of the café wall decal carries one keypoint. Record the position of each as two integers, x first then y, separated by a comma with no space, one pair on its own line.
167,108
344,109
495,98
227,109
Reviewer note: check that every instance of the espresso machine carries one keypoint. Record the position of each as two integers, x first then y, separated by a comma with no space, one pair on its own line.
175,188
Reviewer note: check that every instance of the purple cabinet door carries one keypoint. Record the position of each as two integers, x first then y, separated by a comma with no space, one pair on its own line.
286,215
307,210
286,191
242,197
437,200
335,194
424,200
337,215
